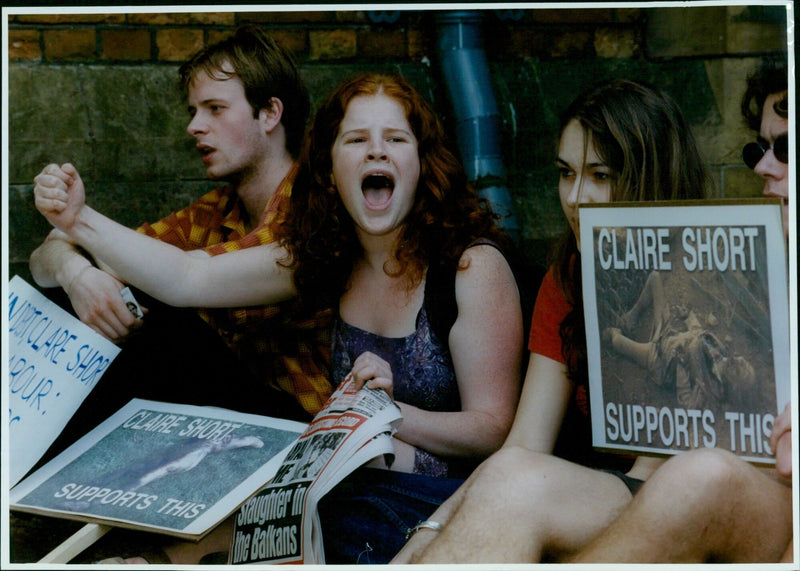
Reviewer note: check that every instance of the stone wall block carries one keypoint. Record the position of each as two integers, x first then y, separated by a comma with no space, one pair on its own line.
125,45
184,18
288,17
540,207
131,203
573,16
69,45
738,181
418,44
49,19
30,157
178,44
215,36
755,29
696,31
382,43
46,116
29,228
142,135
321,79
727,78
293,39
24,45
615,42
629,15
112,122
571,44
332,44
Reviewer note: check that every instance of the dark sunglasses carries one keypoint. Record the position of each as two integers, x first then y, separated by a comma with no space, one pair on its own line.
754,152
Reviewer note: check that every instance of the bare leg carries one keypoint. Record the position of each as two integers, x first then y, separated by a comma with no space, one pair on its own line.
703,505
639,353
652,298
418,542
524,505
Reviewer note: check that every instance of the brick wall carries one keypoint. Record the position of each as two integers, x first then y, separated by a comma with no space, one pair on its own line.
97,89
174,37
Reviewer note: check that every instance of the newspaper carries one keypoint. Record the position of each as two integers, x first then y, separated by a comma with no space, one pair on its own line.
280,524
686,311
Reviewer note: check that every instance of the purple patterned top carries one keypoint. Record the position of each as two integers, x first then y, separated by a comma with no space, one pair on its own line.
422,371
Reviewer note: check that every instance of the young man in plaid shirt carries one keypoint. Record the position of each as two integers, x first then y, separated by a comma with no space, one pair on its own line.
248,110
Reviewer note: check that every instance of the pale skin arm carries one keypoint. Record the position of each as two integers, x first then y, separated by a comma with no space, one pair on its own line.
92,291
486,347
251,276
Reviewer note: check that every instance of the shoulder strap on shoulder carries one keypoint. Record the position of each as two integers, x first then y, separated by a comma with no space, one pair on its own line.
440,291
440,300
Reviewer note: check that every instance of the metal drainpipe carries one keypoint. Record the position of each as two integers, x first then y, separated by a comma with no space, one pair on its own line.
466,75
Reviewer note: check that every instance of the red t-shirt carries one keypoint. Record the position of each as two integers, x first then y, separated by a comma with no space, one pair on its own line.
549,311
575,438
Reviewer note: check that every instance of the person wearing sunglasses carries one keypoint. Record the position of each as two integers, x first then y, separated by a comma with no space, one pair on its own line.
708,505
765,107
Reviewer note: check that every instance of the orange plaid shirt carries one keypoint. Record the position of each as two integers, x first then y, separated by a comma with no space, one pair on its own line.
292,354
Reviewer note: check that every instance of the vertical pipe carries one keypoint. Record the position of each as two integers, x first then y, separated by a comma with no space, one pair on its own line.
466,75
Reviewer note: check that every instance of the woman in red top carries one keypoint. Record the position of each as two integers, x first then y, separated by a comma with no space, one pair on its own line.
620,141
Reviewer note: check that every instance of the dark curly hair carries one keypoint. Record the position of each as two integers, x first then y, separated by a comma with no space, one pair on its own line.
769,78
639,132
447,215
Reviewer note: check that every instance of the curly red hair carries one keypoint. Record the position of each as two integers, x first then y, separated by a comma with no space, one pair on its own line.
319,233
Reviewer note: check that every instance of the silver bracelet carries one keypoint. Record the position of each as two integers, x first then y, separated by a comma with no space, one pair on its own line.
427,524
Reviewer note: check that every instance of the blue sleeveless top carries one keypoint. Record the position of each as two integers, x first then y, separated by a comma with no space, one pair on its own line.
422,372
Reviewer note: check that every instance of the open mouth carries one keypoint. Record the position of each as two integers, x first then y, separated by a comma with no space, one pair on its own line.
377,189
204,150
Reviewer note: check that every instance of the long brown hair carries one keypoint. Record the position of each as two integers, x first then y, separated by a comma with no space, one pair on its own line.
639,132
319,233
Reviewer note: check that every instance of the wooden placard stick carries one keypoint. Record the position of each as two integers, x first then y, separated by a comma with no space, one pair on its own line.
76,543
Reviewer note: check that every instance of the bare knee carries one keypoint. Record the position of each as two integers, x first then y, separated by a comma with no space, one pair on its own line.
695,480
514,465
520,478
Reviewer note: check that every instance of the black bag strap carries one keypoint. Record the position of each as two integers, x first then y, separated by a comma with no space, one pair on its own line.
440,292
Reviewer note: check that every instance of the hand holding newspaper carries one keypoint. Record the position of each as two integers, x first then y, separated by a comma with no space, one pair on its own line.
280,524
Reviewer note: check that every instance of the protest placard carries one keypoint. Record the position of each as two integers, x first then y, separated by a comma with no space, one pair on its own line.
686,310
54,363
140,468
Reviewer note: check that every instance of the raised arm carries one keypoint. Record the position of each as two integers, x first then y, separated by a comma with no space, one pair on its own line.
191,279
